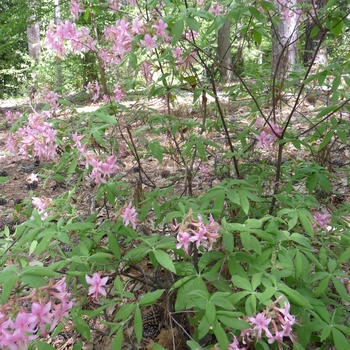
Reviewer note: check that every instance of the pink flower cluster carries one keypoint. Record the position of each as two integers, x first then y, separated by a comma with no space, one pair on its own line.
93,89
196,231
49,305
12,116
129,215
119,38
268,135
41,204
51,98
181,61
75,8
97,285
205,170
275,323
37,139
101,169
66,38
322,220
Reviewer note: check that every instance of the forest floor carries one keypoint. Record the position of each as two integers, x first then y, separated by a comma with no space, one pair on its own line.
15,193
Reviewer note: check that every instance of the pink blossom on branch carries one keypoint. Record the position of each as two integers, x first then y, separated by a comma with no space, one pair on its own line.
75,8
322,220
118,93
129,215
97,285
160,29
196,231
149,42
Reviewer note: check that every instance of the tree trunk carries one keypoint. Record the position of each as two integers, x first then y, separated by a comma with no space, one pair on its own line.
224,53
285,38
33,34
311,44
58,21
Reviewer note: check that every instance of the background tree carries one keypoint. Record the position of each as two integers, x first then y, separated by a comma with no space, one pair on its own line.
224,52
284,39
312,41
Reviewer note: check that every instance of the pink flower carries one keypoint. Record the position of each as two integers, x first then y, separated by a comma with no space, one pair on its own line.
322,220
205,170
41,204
184,239
191,230
129,215
235,345
42,315
118,93
160,28
137,26
94,89
52,99
75,8
177,52
260,324
149,42
97,285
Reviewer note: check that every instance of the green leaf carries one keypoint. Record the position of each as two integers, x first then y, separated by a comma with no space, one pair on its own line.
210,312
342,136
32,247
294,296
125,311
322,286
7,288
324,182
133,60
326,140
100,257
345,256
138,324
109,119
3,179
43,345
257,37
311,182
298,264
39,271
78,226
158,347
340,341
156,150
340,288
232,322
114,245
242,283
176,31
82,327
257,14
244,201
305,222
151,297
228,241
118,340
165,260
192,23
326,110
221,335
